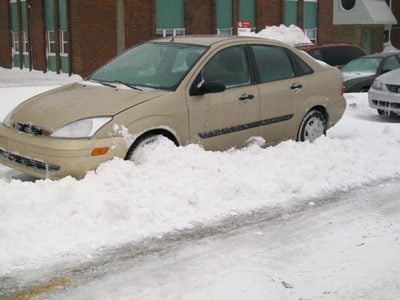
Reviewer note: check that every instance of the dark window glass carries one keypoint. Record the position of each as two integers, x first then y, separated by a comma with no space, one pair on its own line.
391,63
348,4
301,67
317,54
339,56
273,63
228,67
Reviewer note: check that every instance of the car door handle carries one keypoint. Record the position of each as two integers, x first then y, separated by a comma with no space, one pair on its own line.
296,86
246,97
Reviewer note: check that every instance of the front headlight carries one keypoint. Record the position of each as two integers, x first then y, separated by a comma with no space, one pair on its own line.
377,85
82,128
7,120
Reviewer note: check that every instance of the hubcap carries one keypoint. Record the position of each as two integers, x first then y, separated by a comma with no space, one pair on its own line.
314,129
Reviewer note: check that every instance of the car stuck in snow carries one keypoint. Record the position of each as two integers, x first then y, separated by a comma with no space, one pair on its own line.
215,91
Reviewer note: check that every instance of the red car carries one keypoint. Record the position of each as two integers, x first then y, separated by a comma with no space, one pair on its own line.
335,55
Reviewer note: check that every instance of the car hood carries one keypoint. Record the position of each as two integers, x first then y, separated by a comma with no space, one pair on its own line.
58,107
354,75
392,77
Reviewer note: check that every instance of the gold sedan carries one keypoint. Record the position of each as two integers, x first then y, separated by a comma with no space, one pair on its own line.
214,91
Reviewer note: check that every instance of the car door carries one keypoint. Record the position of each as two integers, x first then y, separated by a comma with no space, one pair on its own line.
280,88
229,118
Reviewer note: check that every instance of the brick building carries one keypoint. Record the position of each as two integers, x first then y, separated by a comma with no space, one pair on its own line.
77,36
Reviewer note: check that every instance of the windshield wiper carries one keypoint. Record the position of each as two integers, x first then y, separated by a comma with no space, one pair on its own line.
105,83
127,84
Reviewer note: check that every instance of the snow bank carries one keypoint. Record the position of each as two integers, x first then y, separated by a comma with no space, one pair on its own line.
292,35
388,47
176,188
17,77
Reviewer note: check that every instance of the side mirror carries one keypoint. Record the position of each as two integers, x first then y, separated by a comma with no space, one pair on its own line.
208,87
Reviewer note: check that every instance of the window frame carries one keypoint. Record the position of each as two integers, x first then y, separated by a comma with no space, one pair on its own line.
64,43
49,42
292,59
15,42
162,32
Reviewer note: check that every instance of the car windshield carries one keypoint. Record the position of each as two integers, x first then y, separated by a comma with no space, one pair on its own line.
153,65
362,65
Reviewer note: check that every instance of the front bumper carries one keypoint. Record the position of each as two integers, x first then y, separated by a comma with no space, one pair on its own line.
55,158
384,100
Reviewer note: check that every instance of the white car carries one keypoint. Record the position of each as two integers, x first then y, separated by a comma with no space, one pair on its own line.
384,94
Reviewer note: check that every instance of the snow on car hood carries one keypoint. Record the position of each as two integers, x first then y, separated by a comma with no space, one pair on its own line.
353,75
392,77
69,103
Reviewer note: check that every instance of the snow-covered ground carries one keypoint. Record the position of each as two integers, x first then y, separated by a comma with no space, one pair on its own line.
48,222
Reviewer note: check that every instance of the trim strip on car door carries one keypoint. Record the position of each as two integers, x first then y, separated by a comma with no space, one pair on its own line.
222,131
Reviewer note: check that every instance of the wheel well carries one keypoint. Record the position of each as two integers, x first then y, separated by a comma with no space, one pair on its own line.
160,131
322,110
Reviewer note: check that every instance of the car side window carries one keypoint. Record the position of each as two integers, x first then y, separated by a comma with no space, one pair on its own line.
391,63
229,67
273,63
317,54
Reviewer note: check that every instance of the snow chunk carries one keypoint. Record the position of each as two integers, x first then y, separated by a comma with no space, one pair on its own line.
292,35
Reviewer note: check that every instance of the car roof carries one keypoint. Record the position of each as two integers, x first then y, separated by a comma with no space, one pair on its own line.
381,55
308,47
209,40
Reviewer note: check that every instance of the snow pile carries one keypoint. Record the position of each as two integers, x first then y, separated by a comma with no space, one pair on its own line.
176,188
292,35
17,77
388,47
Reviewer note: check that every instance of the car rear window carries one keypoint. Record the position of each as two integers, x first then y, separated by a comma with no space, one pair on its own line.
337,56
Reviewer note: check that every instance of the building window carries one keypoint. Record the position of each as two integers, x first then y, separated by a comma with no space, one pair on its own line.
51,43
224,31
310,19
170,18
15,41
63,43
170,32
311,33
348,4
25,43
290,17
224,17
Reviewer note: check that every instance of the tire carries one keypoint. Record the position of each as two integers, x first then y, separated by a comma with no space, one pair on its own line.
134,151
312,126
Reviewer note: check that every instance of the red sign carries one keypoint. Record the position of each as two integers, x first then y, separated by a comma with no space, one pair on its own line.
244,24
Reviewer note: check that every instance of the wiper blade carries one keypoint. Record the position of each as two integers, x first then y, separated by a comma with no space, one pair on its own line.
127,84
105,83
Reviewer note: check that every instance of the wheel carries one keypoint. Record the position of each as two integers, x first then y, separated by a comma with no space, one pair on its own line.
136,151
312,126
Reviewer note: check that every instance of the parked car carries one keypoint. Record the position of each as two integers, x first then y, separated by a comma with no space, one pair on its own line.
359,74
384,94
335,55
214,91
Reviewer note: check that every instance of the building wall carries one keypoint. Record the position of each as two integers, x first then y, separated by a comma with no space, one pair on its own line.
200,16
93,27
396,28
139,21
93,34
38,37
5,44
325,21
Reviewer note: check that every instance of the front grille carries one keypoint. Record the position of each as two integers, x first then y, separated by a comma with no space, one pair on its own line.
393,88
28,162
386,104
31,129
